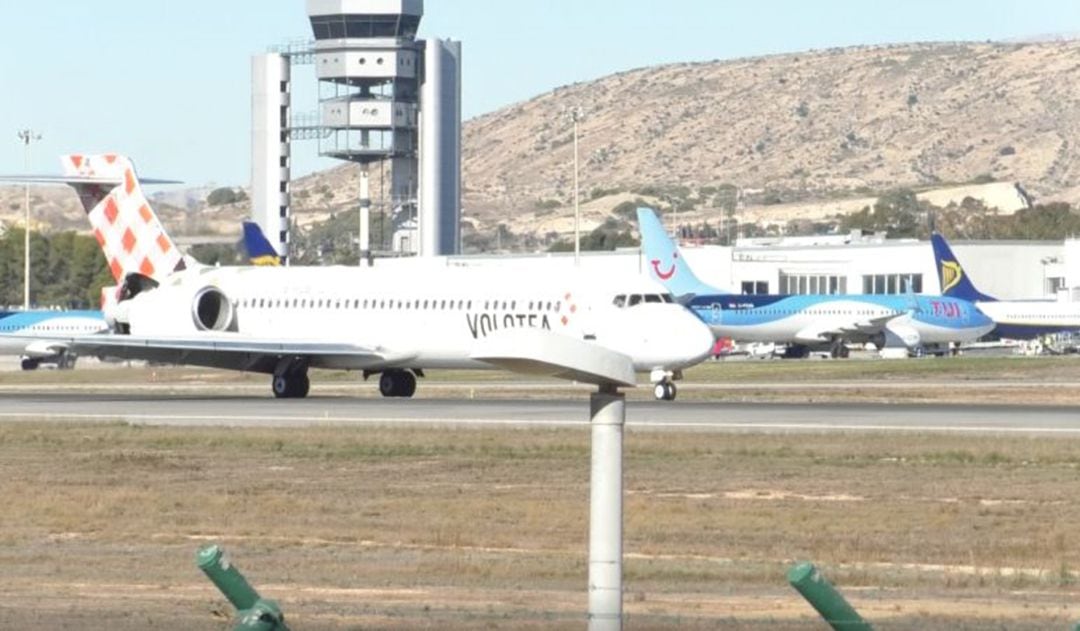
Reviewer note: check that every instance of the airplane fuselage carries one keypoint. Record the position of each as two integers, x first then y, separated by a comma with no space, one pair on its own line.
1028,319
428,315
916,319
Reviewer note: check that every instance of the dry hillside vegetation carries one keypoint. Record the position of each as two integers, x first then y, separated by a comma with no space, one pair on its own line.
815,125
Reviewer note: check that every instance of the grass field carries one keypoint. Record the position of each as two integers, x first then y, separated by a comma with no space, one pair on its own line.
378,528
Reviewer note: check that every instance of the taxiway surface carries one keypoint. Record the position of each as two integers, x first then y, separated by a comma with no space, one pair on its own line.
224,410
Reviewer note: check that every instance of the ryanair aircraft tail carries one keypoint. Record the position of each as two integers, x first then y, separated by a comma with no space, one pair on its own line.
666,264
258,248
954,280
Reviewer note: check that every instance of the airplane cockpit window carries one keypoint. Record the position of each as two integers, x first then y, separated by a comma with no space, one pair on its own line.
653,298
634,300
668,298
620,301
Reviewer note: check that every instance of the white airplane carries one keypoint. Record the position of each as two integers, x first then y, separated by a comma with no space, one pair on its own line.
1013,319
32,335
396,321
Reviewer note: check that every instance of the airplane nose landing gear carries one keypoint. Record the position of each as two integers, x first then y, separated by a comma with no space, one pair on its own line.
663,384
665,391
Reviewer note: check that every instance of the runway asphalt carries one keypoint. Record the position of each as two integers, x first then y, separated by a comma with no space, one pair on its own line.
254,411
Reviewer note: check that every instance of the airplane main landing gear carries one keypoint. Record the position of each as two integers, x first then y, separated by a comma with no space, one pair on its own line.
397,383
291,379
30,364
295,385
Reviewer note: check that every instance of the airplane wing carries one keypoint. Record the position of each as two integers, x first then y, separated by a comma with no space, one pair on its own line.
825,330
234,352
543,353
41,348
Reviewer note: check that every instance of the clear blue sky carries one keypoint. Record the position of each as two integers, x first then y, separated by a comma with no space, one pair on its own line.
168,82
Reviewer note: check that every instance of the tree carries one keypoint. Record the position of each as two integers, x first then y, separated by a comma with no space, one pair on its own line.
897,212
222,196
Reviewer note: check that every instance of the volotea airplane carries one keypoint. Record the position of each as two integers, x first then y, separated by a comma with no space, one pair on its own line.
395,321
804,322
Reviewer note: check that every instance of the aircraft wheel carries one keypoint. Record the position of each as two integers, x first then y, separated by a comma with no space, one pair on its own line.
397,383
280,385
407,385
301,386
665,391
30,364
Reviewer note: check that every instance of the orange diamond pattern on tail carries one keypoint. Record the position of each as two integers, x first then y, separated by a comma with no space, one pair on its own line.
123,222
112,211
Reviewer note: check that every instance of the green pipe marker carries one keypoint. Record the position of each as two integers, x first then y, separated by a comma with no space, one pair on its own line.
823,597
255,613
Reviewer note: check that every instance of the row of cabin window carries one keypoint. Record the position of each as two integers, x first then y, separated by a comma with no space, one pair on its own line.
43,327
357,303
717,307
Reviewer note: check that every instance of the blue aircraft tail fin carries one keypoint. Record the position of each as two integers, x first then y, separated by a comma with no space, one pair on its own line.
258,248
954,280
666,264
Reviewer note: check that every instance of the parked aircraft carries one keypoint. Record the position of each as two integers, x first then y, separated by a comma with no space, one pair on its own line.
811,321
36,335
1013,319
396,321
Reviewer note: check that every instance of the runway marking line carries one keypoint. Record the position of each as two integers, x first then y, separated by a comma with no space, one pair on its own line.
329,420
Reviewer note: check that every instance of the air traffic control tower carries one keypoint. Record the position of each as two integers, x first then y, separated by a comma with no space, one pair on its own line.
384,96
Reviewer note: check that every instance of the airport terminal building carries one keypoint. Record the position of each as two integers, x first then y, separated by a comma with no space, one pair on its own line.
837,264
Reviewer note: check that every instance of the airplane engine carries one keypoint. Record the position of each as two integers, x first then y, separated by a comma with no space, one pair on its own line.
896,335
212,311
178,309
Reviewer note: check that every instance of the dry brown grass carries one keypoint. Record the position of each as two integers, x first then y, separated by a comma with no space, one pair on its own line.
465,528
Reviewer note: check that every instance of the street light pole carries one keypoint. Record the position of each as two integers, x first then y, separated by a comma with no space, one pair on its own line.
575,115
27,136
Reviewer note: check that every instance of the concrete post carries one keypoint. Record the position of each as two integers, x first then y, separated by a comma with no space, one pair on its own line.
607,415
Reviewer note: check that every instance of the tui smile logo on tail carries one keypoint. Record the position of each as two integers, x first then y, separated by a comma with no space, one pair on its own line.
668,274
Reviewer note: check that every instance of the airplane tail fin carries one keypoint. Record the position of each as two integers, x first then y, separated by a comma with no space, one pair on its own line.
125,226
259,249
666,264
954,280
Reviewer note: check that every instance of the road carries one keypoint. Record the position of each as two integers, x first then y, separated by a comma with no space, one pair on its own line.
257,410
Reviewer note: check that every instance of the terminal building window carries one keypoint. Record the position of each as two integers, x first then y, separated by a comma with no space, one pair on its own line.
892,283
812,284
754,287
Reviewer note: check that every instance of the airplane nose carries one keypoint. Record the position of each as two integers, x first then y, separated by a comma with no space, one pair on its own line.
694,341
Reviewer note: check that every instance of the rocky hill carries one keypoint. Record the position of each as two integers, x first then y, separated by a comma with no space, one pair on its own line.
818,125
